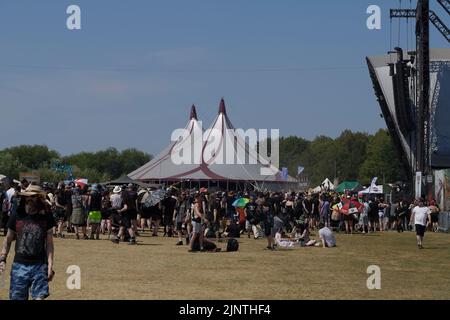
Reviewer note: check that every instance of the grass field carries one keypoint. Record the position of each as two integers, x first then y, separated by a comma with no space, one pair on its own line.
157,269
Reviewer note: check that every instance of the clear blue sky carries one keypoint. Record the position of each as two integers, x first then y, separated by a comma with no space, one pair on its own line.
129,77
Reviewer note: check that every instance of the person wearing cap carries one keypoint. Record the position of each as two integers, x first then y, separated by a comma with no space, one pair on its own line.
123,214
421,217
32,229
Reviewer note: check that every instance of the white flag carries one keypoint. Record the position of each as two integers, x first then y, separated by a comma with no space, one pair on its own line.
373,184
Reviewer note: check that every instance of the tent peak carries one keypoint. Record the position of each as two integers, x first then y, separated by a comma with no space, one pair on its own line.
193,113
222,109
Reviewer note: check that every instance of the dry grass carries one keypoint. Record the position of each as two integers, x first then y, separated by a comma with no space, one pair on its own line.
157,269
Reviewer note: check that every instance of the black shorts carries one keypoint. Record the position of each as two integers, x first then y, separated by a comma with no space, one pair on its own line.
349,217
268,230
168,220
155,213
59,214
420,230
116,219
106,213
146,213
125,220
435,217
132,214
180,226
374,218
68,213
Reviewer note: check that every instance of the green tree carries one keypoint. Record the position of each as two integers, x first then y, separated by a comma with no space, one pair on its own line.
291,149
132,159
319,159
382,160
33,157
9,165
351,150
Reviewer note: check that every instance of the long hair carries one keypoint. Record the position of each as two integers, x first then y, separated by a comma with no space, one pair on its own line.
41,206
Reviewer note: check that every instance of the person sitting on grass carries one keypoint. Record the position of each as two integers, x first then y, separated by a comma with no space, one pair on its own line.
285,243
302,234
231,229
327,239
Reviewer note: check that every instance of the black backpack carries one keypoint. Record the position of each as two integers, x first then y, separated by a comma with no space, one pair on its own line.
233,245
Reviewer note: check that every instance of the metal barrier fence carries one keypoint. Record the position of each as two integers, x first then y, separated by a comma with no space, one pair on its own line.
444,221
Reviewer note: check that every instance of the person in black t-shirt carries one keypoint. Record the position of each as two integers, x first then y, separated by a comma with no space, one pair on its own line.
132,211
308,209
268,223
251,218
168,205
32,228
95,212
69,208
373,214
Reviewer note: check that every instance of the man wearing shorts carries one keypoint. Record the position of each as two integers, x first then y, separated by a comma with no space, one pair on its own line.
197,216
373,214
32,228
421,215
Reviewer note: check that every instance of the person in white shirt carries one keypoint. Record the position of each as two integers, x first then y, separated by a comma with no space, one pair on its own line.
284,242
421,216
326,236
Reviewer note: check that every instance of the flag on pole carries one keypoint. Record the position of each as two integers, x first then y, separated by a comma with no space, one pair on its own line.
373,184
284,173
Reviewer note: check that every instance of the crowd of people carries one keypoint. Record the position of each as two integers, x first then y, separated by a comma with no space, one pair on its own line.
192,216
121,213
33,215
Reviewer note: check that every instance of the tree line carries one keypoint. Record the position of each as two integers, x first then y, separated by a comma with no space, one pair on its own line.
104,165
351,156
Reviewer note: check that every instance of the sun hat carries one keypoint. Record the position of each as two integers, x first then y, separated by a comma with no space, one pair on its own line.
32,190
117,189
